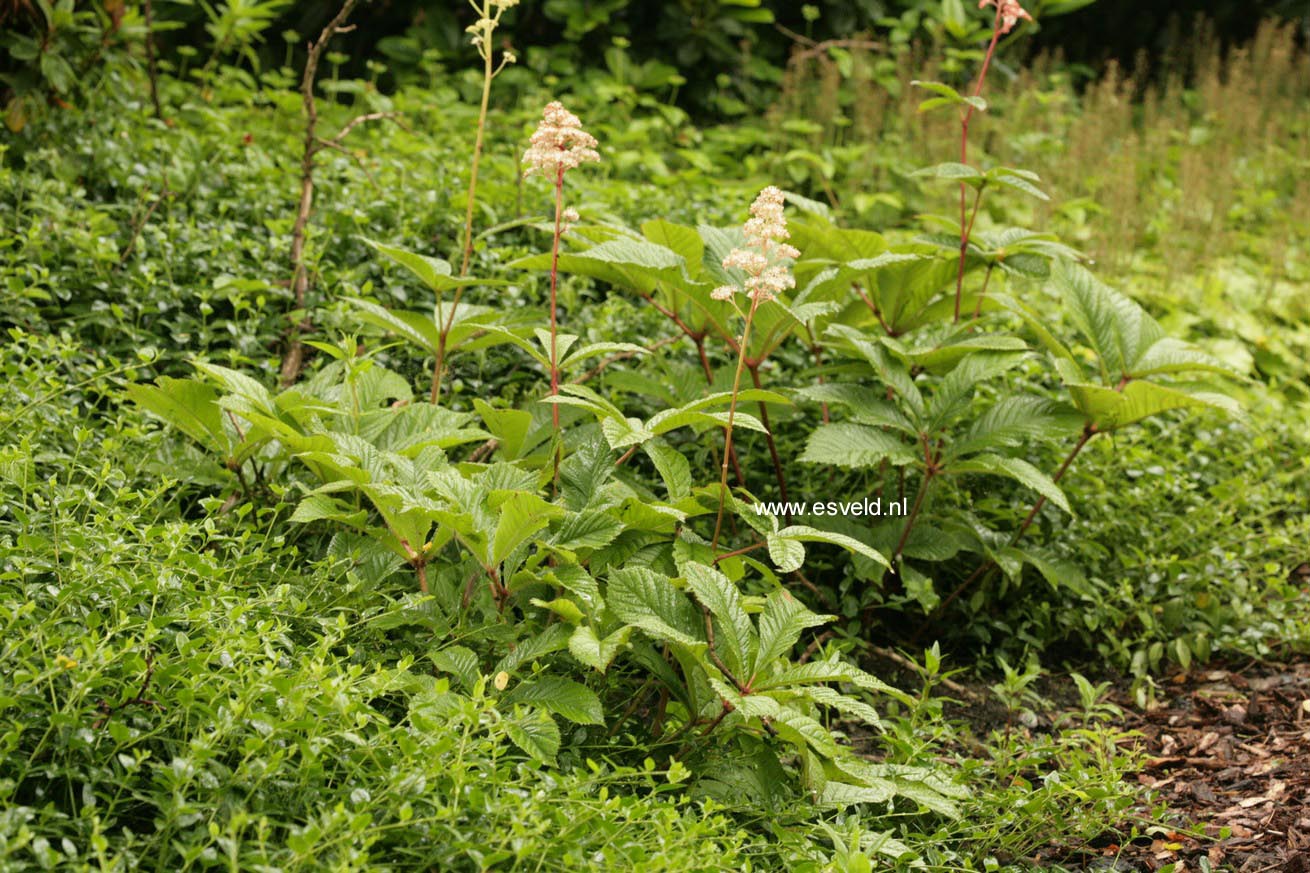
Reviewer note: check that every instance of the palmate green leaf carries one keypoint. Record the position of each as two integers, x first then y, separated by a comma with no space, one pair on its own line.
745,705
856,447
649,602
889,369
535,732
563,697
664,421
956,389
1111,410
803,534
781,623
940,356
1014,468
735,638
408,430
595,652
189,405
1169,355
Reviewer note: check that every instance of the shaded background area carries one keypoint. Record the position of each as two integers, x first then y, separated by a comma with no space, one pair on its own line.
713,57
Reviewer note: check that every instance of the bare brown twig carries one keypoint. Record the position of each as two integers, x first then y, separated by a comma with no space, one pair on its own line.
293,360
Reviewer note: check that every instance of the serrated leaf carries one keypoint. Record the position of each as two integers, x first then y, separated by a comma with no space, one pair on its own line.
787,555
781,623
649,601
595,652
459,662
855,446
1017,469
535,733
802,533
673,468
563,697
189,405
734,635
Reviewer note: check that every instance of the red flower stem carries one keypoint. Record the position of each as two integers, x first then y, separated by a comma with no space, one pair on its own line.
965,225
732,414
554,281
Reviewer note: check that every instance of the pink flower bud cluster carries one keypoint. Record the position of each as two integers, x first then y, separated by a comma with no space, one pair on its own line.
765,258
1010,11
559,143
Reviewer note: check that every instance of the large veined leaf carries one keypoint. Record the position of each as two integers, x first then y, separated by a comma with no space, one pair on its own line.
418,328
781,623
590,649
802,534
673,468
189,405
638,265
1019,470
734,635
953,393
681,240
889,369
855,446
1118,330
1012,420
563,697
648,601
867,405
801,730
1110,410
536,733
433,272
522,514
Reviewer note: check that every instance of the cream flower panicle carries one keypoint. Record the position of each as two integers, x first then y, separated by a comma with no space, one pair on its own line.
1010,12
559,143
764,257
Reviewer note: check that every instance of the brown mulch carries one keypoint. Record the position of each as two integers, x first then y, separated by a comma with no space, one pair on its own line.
1230,755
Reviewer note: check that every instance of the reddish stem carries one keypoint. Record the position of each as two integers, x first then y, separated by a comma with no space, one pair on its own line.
966,226
554,281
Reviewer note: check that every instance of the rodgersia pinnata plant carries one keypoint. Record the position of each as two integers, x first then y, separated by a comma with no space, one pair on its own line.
559,144
764,262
